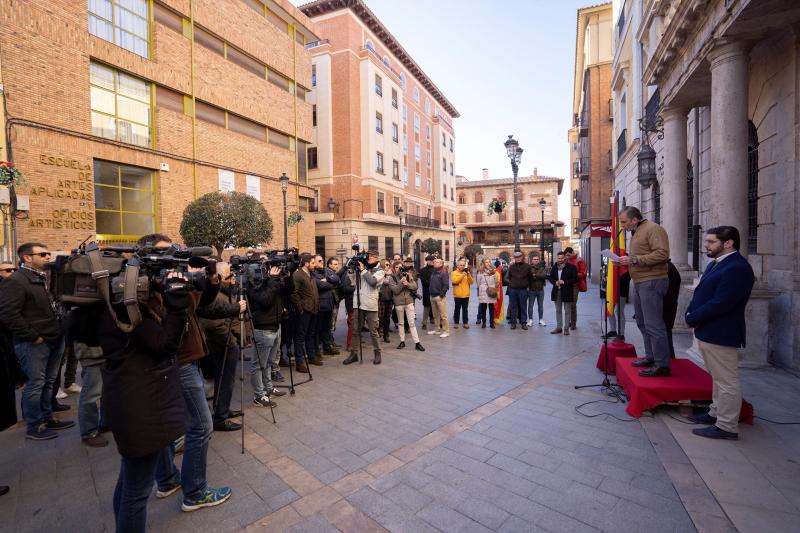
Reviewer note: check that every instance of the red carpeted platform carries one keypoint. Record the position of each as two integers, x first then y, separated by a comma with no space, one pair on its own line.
688,382
615,349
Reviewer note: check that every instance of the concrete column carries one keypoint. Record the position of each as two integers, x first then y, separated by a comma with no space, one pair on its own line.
674,201
728,205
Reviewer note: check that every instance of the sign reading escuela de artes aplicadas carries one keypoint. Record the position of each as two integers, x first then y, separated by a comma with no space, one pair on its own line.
73,189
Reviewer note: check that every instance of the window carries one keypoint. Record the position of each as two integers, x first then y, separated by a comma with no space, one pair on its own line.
444,191
169,99
209,41
478,197
277,21
302,166
752,188
405,113
394,98
379,165
314,115
403,81
313,75
428,154
121,106
279,80
416,151
395,132
416,94
312,158
319,245
123,200
444,165
451,169
417,182
369,45
378,85
372,244
277,138
168,18
478,216
301,93
396,169
451,194
405,144
381,206
386,60
656,192
389,244
427,105
427,132
451,144
209,113
462,198
378,122
405,178
444,140
122,22
246,127
416,123
238,57
395,204
429,186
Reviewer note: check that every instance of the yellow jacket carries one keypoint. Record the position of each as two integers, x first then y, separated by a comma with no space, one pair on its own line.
461,282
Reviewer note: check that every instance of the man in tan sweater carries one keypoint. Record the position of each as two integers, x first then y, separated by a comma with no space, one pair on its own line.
647,264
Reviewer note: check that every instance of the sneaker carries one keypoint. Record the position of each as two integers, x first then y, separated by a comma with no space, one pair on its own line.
211,498
95,441
41,433
264,402
444,335
59,424
525,327
168,491
60,395
277,393
542,323
179,444
277,376
434,332
74,388
530,322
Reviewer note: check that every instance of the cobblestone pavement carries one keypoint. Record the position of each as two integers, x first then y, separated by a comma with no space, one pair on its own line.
478,433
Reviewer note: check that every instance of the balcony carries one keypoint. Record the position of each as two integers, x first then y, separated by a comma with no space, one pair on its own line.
652,108
622,143
423,222
584,167
583,123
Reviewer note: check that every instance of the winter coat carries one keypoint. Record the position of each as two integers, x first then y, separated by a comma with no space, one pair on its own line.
539,277
142,400
569,276
403,295
305,296
461,283
219,318
519,276
193,346
649,246
347,286
371,280
327,298
27,309
484,282
440,283
266,304
580,267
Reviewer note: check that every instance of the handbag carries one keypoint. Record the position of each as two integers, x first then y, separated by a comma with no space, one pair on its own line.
491,292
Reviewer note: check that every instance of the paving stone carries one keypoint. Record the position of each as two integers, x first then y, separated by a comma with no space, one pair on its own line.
447,519
483,512
407,497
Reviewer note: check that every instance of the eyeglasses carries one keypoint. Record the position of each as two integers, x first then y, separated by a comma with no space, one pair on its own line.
43,254
8,269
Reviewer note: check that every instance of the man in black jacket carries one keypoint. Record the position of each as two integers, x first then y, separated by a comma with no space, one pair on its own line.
425,277
670,306
29,313
520,277
327,281
266,307
563,276
9,370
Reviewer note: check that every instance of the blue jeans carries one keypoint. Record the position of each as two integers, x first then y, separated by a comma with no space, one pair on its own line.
518,303
195,448
41,363
267,344
133,489
88,410
537,296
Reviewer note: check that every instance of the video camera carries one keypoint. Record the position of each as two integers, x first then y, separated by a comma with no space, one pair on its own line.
255,268
358,257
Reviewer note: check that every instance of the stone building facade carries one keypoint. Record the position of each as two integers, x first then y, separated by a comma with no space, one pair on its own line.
495,231
383,138
590,135
723,76
121,113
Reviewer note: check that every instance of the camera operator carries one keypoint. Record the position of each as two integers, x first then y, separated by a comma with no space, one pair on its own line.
371,278
30,315
267,310
305,298
327,281
192,476
404,288
425,278
221,325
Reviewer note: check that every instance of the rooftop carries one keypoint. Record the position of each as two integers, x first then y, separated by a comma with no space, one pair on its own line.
510,181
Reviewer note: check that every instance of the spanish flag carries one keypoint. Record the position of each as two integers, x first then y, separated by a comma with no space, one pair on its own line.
499,315
615,270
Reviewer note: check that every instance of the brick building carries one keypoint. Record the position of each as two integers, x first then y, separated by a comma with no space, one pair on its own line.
383,138
495,232
593,122
121,112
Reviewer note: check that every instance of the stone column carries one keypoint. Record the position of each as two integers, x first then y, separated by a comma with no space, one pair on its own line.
674,201
728,202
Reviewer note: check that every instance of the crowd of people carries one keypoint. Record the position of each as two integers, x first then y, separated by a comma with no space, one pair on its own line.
289,317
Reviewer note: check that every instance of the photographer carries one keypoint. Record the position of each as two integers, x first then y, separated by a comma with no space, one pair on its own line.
327,281
142,397
266,303
404,288
192,476
369,279
305,299
220,322
425,277
440,283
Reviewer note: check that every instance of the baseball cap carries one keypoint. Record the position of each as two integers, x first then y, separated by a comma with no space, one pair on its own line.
517,254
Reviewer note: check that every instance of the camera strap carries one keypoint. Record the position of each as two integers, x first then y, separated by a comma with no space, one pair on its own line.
101,276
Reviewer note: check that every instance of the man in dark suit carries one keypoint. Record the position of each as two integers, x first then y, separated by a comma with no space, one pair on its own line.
716,313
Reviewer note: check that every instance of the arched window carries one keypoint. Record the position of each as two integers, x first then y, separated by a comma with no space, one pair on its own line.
462,198
752,188
462,217
369,45
656,192
386,60
403,81
462,237
689,206
478,197
478,216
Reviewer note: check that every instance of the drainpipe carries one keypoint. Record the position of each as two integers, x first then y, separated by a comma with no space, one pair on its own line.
696,193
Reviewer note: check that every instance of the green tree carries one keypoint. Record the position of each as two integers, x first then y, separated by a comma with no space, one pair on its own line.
431,246
472,251
226,219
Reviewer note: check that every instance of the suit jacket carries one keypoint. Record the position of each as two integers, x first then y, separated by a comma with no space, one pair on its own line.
716,311
569,276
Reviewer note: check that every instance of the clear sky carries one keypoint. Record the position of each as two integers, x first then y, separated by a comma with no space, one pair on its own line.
507,66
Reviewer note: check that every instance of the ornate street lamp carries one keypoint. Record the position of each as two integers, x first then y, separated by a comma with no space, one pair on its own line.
332,204
542,205
650,123
514,153
284,179
402,248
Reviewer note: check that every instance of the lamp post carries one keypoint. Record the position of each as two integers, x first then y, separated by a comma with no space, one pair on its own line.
515,155
542,205
284,179
400,216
